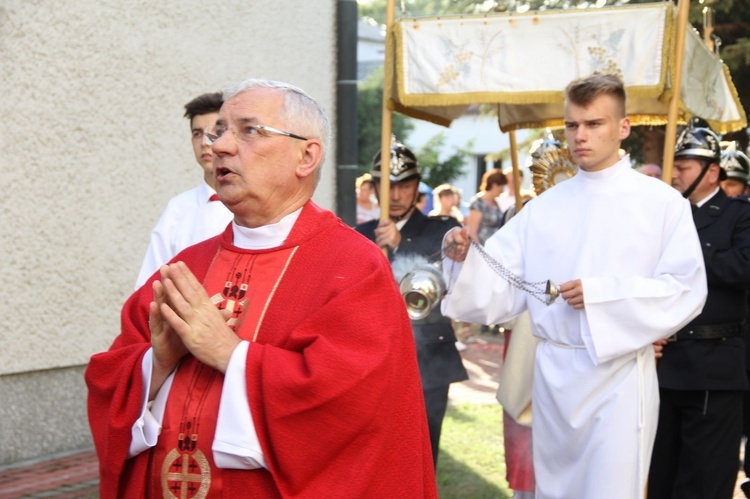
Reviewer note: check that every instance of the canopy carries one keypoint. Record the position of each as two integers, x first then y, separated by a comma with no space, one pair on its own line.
522,63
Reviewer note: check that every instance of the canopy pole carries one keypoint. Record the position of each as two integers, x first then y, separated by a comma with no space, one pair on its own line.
387,115
708,24
671,130
516,170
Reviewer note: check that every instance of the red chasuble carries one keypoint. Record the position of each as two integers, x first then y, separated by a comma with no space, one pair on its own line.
331,375
182,463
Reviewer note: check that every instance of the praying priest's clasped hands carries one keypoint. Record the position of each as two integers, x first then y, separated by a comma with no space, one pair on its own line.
183,320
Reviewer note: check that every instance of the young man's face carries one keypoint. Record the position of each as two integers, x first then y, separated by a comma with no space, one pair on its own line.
594,132
733,187
201,147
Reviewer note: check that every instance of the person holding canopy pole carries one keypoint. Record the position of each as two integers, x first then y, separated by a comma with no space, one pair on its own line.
412,242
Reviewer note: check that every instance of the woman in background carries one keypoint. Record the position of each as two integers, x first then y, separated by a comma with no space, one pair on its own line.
445,199
367,205
485,216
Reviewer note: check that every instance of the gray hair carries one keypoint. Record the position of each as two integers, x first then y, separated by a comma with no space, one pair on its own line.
299,108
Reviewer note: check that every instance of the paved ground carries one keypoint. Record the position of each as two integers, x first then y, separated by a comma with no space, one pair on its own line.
62,477
75,475
483,360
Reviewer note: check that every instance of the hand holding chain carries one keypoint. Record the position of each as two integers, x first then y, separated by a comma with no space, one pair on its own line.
544,291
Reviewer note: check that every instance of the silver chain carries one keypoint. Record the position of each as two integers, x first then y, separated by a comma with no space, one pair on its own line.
535,289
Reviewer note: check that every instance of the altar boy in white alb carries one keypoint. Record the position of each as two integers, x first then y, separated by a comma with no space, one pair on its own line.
196,214
624,251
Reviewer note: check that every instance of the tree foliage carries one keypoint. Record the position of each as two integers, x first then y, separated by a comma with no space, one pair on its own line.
433,8
435,171
732,28
370,119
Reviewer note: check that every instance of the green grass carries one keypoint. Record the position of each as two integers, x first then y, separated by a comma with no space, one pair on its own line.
471,463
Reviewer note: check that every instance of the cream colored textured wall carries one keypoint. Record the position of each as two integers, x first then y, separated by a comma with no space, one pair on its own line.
93,144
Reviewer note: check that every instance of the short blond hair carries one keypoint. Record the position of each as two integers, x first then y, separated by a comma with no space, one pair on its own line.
583,91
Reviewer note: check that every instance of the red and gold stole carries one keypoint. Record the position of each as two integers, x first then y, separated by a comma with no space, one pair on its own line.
181,463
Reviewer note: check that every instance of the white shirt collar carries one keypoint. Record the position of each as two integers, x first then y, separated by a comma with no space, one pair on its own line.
400,224
705,199
267,236
205,192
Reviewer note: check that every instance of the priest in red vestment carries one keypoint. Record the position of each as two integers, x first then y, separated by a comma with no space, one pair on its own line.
274,360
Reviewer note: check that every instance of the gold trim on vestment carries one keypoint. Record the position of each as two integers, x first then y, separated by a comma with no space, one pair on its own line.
273,291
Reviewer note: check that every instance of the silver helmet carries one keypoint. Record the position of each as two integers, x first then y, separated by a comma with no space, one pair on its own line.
404,165
698,141
735,163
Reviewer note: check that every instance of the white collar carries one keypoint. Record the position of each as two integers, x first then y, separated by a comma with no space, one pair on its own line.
267,236
205,192
400,224
608,172
705,199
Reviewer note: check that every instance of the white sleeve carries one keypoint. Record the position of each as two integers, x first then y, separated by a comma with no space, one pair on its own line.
160,249
451,268
479,294
236,443
145,431
624,314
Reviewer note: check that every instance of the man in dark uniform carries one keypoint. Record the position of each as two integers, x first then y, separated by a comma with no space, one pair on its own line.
737,166
702,371
408,234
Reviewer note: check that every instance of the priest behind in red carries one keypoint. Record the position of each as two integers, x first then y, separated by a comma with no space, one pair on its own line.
247,368
623,250
702,370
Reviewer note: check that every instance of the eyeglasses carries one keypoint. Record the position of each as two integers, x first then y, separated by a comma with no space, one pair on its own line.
200,134
248,133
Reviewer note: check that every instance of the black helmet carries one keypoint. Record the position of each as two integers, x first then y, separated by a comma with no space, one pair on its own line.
735,163
698,141
404,164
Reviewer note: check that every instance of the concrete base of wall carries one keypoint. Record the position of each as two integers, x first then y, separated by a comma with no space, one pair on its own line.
42,413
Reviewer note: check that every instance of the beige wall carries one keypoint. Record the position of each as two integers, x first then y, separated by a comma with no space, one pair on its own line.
93,144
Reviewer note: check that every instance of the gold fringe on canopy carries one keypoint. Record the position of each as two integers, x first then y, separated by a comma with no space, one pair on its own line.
522,63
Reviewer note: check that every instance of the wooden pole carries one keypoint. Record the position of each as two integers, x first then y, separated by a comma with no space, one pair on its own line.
679,56
387,125
670,134
516,170
708,24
